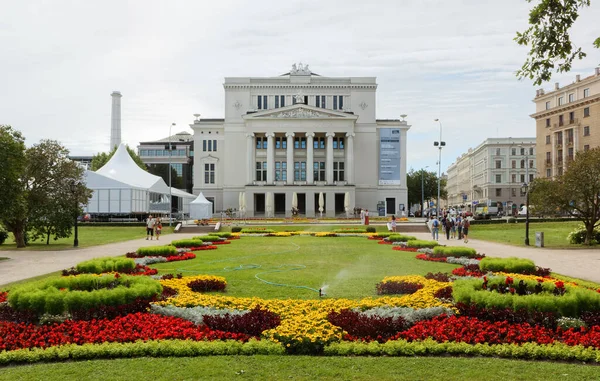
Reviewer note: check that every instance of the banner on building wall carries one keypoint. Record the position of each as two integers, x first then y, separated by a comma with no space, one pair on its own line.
389,156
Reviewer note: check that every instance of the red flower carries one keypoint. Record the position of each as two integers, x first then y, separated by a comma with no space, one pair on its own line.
509,280
559,284
117,276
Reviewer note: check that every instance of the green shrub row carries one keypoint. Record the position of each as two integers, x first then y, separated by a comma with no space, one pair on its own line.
153,251
371,229
222,235
257,231
401,238
420,244
350,230
509,265
575,300
236,229
163,348
207,238
106,264
429,347
454,251
66,294
187,243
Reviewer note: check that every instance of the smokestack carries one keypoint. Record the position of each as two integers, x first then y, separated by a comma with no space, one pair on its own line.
115,120
556,86
578,78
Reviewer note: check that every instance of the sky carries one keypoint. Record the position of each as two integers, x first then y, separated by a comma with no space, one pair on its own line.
451,60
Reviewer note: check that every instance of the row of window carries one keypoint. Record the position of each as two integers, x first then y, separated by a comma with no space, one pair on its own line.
162,152
209,145
561,118
300,171
514,151
571,98
262,101
299,143
514,164
513,178
513,192
568,135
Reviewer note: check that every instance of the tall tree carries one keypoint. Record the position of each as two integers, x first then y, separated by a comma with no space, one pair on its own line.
102,158
12,165
413,180
549,40
576,192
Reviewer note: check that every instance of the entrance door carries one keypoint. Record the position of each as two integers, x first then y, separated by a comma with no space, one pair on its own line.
259,203
390,205
339,203
301,203
212,200
279,203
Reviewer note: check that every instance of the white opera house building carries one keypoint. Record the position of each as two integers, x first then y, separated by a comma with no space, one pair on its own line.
304,140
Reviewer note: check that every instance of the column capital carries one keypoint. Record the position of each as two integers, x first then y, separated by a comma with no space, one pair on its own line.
270,134
310,134
330,134
289,134
350,134
250,135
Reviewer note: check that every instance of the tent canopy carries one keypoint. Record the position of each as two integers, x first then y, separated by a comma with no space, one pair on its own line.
200,208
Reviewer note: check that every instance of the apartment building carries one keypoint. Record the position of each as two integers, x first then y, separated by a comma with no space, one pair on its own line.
567,121
493,172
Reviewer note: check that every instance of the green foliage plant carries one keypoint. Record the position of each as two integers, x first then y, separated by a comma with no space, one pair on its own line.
187,243
420,244
577,236
56,296
371,229
508,265
257,231
106,264
236,229
400,238
454,251
152,251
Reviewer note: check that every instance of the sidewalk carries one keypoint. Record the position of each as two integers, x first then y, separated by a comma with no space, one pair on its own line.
581,263
27,264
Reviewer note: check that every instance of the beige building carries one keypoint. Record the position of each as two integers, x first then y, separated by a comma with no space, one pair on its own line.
492,172
567,121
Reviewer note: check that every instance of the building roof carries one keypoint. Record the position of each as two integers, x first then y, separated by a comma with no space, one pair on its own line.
182,136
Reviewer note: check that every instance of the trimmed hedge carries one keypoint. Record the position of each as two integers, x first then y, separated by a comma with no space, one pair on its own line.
106,264
207,238
256,231
454,251
420,244
154,251
400,238
222,235
154,348
575,300
187,243
508,265
67,294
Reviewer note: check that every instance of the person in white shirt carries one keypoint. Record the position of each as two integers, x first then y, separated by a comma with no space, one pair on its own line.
150,227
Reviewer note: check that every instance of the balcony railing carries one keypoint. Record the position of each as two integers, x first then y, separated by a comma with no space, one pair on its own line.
548,163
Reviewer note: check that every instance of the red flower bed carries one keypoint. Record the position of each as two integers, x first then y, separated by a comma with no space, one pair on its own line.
3,296
468,270
472,330
206,285
182,257
221,242
375,238
410,249
383,242
398,288
361,326
440,277
233,237
425,257
586,337
253,323
444,293
139,326
198,248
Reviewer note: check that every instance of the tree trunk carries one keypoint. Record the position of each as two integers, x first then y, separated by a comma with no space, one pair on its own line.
589,234
19,234
48,237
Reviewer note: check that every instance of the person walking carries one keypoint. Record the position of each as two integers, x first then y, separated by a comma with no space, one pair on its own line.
394,224
448,224
465,228
366,216
150,227
435,227
459,227
453,228
362,216
158,228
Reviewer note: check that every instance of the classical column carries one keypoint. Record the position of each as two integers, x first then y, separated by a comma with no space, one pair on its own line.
575,140
350,157
309,158
250,158
270,158
553,158
290,157
329,162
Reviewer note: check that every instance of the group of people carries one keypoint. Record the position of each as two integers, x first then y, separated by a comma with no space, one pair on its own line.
153,227
454,227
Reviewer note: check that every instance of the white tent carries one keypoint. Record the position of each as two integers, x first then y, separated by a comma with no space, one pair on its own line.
200,208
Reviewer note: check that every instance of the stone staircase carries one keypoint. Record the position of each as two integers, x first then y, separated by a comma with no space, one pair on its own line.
193,229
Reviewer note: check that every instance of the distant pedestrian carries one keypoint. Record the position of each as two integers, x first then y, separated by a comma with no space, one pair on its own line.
435,228
453,228
150,227
448,224
465,228
459,222
158,228
362,216
394,224
366,216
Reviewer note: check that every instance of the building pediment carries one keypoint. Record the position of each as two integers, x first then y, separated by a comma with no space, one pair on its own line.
300,111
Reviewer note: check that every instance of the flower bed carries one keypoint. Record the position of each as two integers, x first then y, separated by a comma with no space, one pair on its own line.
409,249
398,287
207,284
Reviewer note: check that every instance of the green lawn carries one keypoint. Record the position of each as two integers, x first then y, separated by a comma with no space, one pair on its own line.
555,233
350,267
303,368
88,236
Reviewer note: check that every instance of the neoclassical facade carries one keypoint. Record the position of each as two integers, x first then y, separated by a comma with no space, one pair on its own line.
296,136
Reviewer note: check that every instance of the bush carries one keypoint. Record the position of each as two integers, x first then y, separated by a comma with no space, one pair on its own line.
187,243
454,251
155,251
105,265
207,285
252,323
402,287
401,238
359,325
577,236
371,229
222,235
509,265
3,236
417,243
257,231
440,277
236,229
511,220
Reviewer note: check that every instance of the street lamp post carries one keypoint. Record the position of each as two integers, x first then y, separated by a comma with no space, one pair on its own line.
423,190
440,144
73,187
170,185
526,189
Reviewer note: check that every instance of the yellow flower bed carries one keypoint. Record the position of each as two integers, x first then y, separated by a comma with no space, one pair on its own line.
305,320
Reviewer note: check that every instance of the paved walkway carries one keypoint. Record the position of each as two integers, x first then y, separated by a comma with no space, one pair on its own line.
584,263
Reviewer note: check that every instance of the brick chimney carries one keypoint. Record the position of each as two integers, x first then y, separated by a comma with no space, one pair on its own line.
556,86
577,78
